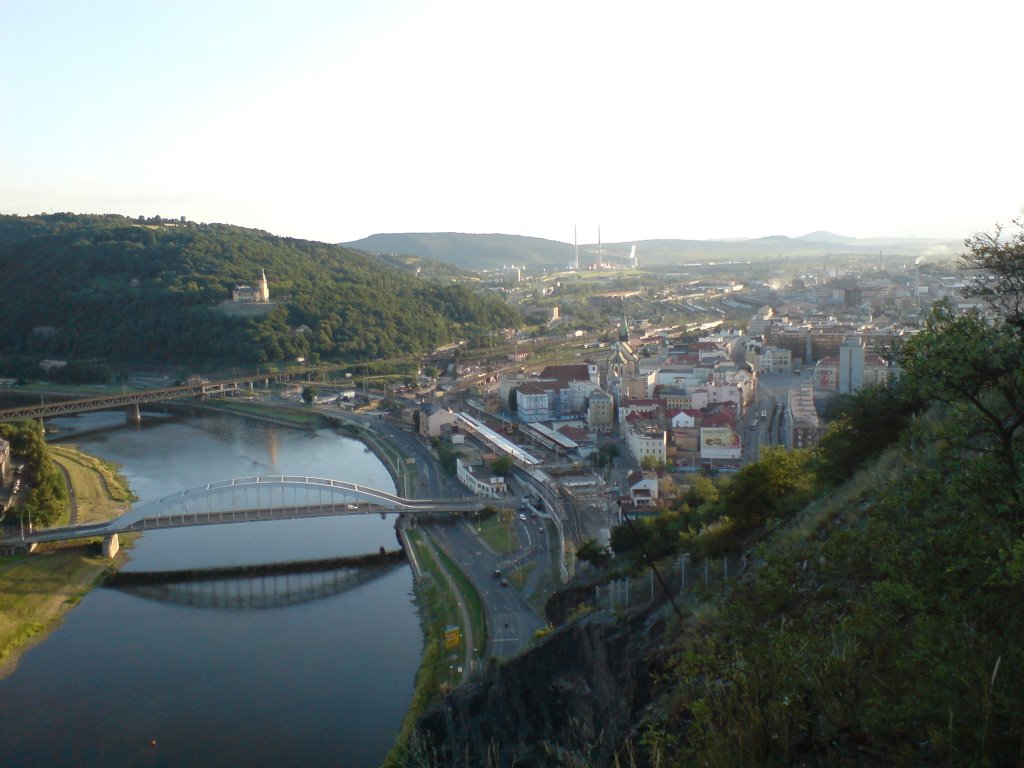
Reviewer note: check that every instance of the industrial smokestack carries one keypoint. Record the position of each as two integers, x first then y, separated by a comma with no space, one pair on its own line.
576,246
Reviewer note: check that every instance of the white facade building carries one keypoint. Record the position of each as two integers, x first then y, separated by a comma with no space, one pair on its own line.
490,487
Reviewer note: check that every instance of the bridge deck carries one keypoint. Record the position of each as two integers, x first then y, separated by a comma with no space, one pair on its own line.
206,505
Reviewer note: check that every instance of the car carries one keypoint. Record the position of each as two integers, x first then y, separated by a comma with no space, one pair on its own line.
497,573
504,582
764,414
522,517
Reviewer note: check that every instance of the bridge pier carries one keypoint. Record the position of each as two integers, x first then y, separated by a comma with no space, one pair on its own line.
111,544
133,414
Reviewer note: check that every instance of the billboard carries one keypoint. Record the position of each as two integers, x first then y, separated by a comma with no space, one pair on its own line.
719,443
452,638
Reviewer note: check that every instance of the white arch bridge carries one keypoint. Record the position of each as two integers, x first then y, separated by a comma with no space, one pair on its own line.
254,499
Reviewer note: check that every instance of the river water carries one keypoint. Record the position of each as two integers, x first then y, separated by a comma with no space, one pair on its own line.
316,674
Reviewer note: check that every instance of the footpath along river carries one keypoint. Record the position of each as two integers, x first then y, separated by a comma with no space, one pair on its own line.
307,676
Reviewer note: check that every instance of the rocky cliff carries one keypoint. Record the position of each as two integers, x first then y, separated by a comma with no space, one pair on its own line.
573,700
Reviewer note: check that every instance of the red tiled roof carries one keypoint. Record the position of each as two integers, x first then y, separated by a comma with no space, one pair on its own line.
566,372
534,388
720,419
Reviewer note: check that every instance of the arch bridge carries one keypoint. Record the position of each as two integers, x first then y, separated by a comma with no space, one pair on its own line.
254,499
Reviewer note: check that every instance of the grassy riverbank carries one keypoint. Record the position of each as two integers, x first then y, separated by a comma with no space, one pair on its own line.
100,490
440,609
37,589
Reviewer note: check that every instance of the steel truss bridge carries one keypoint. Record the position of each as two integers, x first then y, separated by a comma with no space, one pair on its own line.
126,399
255,499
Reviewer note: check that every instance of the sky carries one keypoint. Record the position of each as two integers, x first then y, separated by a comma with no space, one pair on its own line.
339,119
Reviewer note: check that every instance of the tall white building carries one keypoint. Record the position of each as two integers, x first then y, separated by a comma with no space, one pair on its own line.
851,365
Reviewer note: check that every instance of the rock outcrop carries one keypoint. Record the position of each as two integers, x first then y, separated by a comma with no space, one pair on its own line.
573,700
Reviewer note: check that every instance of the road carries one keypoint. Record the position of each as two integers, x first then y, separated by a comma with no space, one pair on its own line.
511,620
772,398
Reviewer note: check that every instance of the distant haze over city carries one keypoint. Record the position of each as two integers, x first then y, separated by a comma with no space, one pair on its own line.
481,251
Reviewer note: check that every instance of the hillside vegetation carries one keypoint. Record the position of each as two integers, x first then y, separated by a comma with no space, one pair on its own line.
147,291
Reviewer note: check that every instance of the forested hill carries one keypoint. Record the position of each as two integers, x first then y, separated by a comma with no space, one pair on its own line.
153,290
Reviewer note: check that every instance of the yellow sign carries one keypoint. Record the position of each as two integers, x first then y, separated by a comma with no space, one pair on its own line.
452,638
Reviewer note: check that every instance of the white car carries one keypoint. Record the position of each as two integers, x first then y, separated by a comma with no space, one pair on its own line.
522,517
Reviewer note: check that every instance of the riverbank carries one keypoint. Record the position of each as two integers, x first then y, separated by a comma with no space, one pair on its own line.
438,606
37,589
445,599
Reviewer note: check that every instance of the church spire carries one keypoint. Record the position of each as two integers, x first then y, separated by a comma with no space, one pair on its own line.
264,289
624,328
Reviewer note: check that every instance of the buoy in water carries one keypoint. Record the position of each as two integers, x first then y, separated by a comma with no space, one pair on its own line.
152,742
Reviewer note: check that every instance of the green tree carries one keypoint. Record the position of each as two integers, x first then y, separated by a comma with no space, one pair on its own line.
309,393
502,465
605,455
999,262
651,463
771,488
967,361
862,426
592,552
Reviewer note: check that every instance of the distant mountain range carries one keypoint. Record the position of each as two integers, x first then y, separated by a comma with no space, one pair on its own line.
492,251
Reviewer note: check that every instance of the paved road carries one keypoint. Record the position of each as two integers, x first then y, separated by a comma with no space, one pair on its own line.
511,620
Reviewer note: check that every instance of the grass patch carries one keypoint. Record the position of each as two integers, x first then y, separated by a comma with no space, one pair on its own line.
499,537
519,576
102,492
439,611
37,589
474,605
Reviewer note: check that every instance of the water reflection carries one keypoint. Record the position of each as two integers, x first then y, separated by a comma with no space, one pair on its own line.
322,681
261,592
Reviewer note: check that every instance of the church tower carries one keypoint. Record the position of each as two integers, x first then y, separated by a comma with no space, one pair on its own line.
623,328
264,289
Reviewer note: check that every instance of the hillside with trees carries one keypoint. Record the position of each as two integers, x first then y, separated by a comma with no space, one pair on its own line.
150,291
877,620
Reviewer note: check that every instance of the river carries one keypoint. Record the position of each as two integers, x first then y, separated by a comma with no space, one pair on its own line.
309,677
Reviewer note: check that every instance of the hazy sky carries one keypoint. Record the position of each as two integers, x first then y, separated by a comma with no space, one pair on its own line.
338,119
